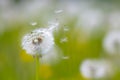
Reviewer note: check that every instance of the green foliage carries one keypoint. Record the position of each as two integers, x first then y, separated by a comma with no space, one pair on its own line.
78,47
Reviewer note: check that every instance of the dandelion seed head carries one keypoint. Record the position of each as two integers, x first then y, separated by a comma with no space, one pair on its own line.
111,42
90,19
96,69
114,19
38,41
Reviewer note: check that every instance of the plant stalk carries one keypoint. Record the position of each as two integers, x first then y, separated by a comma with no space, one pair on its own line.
37,66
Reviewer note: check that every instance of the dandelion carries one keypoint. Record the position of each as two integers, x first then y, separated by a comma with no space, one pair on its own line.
111,42
96,69
90,19
38,43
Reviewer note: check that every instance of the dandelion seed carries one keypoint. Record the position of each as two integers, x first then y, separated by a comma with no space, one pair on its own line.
96,69
65,57
58,11
66,29
38,41
111,42
65,39
34,23
53,25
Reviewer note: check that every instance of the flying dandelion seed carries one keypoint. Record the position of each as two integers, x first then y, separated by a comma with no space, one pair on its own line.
96,69
65,57
63,40
111,42
66,29
38,41
53,25
33,23
58,11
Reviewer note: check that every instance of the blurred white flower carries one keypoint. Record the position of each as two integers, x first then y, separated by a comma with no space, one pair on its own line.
72,8
114,20
91,19
96,69
39,41
111,42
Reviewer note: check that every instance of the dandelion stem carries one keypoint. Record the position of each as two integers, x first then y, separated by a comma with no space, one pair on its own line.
37,66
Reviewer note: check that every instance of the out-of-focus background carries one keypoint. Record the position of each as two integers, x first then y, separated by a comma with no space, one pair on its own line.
81,36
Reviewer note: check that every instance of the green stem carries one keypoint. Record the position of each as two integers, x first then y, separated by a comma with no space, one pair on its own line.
37,66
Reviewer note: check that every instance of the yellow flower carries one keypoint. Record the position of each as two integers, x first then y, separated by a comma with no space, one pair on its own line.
26,57
45,71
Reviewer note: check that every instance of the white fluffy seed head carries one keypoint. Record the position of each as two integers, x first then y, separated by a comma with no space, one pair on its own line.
39,41
114,20
111,42
96,69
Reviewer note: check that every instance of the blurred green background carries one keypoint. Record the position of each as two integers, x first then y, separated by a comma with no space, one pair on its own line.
83,41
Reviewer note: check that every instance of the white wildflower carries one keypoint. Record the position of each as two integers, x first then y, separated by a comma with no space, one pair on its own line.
39,41
90,19
111,42
96,69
